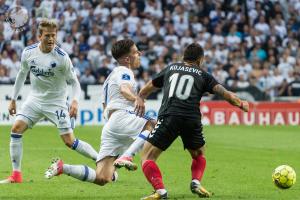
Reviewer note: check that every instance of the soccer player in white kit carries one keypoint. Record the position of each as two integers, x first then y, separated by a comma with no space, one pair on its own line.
125,132
50,69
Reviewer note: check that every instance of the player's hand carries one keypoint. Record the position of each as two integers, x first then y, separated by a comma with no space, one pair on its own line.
244,106
12,107
232,95
139,106
73,108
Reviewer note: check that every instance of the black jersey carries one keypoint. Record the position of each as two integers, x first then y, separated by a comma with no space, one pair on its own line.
183,87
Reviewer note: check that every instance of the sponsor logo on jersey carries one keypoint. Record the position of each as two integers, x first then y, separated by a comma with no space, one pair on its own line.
41,72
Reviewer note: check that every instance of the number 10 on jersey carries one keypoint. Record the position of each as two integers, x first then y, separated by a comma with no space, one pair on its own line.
181,92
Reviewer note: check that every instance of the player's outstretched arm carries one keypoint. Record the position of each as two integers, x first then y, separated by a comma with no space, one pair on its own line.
147,90
231,97
12,107
143,94
20,79
73,108
76,90
127,91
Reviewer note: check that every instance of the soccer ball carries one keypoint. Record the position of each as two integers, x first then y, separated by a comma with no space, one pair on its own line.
284,176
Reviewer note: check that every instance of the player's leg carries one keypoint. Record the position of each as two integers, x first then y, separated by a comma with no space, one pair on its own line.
198,163
138,143
81,172
110,148
104,173
59,115
152,172
198,168
16,152
80,146
163,135
193,140
26,118
126,159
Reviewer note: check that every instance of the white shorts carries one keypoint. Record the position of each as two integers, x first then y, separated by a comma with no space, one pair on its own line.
119,132
33,111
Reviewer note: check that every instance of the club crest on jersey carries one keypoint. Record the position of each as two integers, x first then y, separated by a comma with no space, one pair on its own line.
41,72
125,77
53,64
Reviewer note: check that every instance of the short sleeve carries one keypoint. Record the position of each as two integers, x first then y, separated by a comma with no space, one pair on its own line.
210,82
158,80
125,76
69,69
104,93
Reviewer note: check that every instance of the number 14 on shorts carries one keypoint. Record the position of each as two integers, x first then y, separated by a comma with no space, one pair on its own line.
60,114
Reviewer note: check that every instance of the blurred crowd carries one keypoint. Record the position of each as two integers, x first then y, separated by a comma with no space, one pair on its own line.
251,43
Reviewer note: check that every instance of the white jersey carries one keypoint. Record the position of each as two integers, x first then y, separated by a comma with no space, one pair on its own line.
49,73
112,97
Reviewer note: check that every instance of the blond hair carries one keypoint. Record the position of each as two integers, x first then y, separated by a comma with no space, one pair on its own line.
47,24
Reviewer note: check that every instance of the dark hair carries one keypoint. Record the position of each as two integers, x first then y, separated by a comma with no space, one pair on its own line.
121,48
193,52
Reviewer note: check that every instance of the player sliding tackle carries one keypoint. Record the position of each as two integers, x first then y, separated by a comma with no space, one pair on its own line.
50,68
179,115
124,129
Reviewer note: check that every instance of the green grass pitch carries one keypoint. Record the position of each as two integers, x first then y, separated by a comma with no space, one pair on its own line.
240,161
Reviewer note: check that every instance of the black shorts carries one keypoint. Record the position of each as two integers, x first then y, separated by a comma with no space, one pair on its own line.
168,128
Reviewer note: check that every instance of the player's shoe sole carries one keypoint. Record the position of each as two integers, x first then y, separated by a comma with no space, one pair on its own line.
55,169
200,190
155,196
126,163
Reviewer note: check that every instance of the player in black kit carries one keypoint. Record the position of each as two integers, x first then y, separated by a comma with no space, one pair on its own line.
179,115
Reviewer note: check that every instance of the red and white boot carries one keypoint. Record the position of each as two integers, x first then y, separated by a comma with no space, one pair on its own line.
16,177
55,169
126,162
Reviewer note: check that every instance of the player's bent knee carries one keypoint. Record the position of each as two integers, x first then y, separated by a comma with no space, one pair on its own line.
18,128
150,152
68,139
102,180
150,125
68,143
197,152
15,129
153,123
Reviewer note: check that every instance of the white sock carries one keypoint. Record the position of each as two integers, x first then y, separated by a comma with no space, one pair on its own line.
161,191
80,172
16,151
85,149
137,145
196,181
